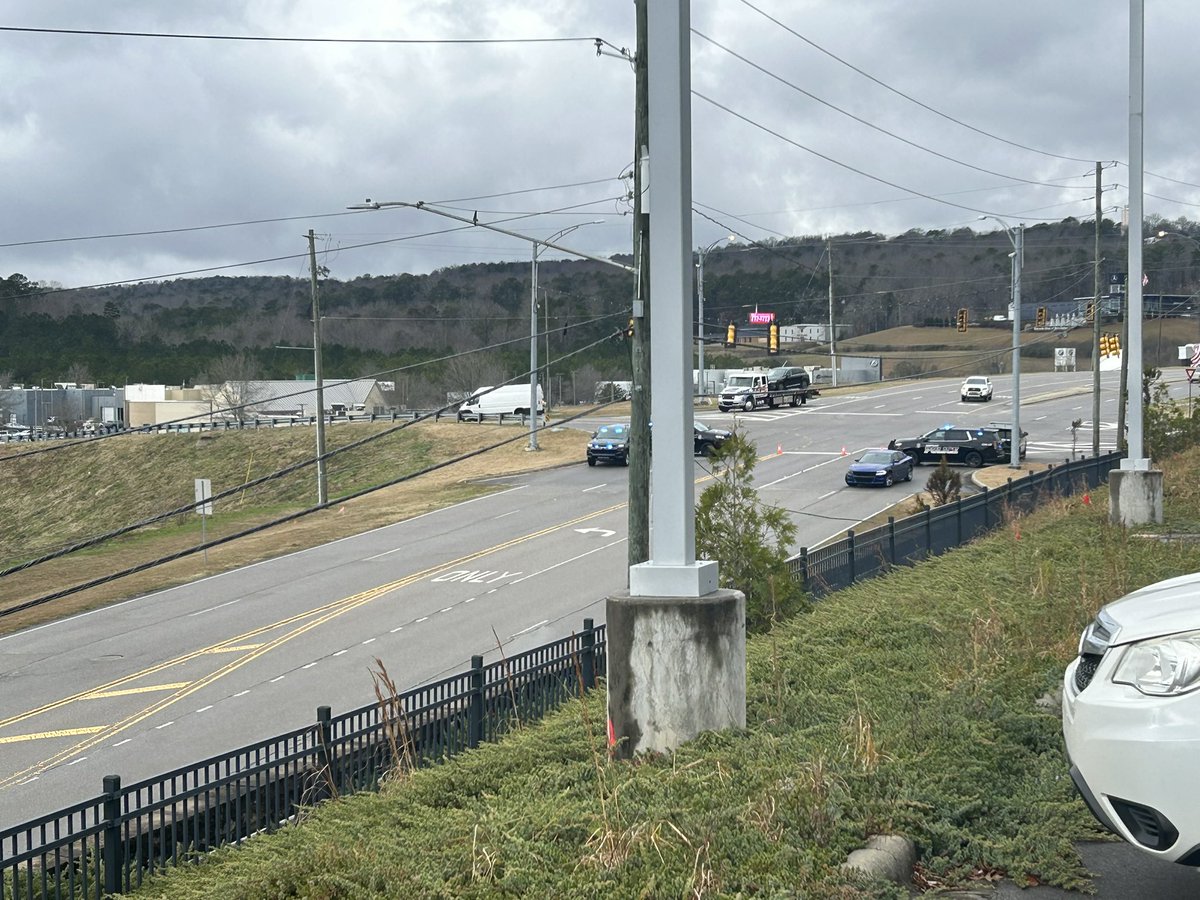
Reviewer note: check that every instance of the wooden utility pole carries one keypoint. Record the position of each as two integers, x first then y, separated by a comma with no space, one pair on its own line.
639,418
1096,328
322,492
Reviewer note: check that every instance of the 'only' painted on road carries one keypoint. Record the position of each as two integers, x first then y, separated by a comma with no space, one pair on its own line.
477,576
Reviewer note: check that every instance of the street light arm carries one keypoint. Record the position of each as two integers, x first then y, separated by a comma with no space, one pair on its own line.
421,205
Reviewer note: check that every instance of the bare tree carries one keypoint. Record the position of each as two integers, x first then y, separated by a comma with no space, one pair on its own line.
230,386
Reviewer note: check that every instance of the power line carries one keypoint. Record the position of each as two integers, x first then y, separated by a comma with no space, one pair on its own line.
875,127
294,40
909,98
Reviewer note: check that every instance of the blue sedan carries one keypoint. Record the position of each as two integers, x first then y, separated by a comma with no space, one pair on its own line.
884,467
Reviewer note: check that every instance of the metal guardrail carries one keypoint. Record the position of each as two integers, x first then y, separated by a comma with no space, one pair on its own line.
108,844
909,540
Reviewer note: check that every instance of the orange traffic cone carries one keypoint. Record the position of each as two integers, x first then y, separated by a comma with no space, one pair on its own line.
844,453
779,450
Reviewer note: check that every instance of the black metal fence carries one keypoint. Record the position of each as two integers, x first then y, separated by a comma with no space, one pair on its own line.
108,844
909,540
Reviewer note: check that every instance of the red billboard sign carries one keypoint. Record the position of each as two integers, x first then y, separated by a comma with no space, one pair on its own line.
762,318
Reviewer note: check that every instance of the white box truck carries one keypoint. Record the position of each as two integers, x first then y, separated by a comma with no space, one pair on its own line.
506,400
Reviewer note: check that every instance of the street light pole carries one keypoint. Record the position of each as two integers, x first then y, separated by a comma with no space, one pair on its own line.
322,485
1017,239
700,310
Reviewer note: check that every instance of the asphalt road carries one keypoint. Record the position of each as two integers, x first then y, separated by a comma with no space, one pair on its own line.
164,680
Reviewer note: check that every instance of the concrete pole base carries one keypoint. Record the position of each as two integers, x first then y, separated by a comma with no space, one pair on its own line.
676,668
1135,497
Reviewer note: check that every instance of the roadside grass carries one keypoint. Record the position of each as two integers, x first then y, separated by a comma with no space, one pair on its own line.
51,500
922,703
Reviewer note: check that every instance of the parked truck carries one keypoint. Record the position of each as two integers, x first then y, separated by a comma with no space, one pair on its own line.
752,388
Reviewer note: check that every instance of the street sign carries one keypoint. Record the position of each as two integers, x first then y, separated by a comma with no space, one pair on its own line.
204,506
762,318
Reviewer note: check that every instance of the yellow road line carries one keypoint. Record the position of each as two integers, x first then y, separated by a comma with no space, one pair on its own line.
326,613
43,735
172,686
234,648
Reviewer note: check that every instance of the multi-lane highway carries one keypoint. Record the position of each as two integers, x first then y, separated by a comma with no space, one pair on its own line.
167,679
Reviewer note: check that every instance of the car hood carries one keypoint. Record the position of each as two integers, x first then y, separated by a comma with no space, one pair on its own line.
715,432
1167,607
867,467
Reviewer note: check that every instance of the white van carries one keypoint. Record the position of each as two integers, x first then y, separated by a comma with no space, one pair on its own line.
506,400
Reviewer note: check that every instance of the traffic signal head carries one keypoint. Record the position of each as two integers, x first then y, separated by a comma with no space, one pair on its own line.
1104,345
773,339
731,335
629,328
1091,310
1114,344
962,319
1041,317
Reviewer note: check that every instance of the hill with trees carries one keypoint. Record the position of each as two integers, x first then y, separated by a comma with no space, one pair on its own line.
463,326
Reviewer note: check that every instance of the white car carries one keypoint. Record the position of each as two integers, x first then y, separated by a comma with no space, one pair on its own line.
1131,718
977,387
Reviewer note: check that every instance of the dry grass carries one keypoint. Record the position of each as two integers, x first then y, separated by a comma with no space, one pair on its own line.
54,499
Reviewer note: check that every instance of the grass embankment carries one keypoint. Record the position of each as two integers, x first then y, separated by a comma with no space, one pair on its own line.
74,492
906,704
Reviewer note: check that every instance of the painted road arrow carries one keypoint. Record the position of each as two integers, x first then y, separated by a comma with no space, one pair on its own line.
603,531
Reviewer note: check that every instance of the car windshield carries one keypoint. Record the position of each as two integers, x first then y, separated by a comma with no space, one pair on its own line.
612,432
740,381
876,457
976,380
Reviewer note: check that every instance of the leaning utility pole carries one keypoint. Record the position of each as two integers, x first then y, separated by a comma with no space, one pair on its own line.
322,491
1096,328
639,414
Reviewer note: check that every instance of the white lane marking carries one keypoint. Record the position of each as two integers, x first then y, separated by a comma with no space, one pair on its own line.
339,653
874,415
77,760
836,458
570,560
881,406
309,666
368,641
204,708
938,412
212,608
529,629
278,678
1039,418
594,487
241,693
823,496
446,610
119,743
164,725
394,630
422,619
30,780
468,600
1073,408
511,512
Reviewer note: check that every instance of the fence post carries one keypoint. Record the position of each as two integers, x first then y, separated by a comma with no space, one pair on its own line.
802,568
475,703
958,521
114,856
850,547
324,739
928,532
987,513
588,655
892,541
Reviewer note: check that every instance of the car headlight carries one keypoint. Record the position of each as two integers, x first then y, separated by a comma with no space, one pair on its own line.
1162,667
881,471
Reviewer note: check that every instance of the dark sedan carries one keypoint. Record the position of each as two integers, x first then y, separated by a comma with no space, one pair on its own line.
882,467
708,439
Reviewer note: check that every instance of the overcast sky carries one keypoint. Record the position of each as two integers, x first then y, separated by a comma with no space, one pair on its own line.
109,134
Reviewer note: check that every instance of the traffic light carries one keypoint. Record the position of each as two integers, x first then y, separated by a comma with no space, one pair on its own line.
1091,311
1040,322
629,328
1114,344
962,319
731,335
773,339
1104,345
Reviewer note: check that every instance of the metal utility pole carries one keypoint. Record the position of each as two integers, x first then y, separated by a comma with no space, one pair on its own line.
533,348
1096,328
322,490
639,413
832,327
1132,346
1018,262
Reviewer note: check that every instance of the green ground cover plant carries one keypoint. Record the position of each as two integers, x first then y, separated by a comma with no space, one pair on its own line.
920,703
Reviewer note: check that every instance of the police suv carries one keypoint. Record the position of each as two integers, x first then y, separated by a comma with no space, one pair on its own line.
970,446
